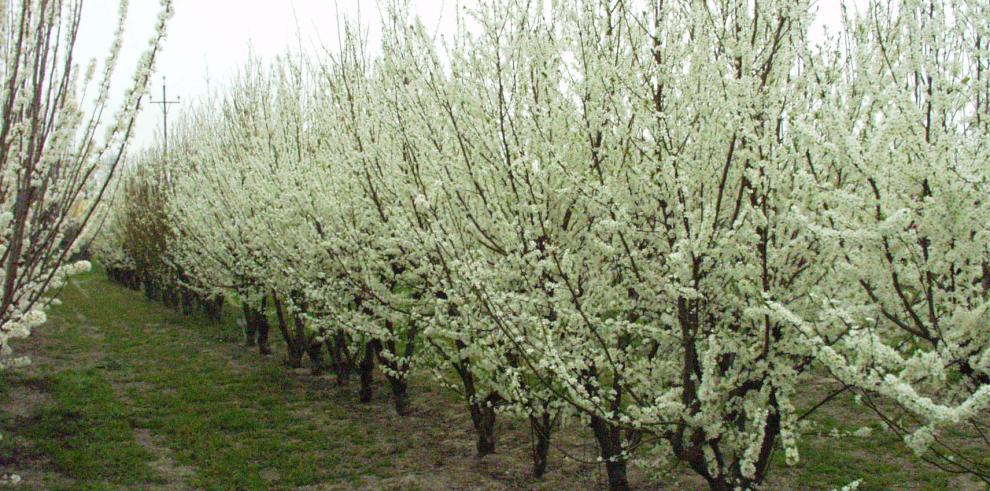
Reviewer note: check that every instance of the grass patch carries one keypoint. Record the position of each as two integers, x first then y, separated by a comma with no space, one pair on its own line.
87,434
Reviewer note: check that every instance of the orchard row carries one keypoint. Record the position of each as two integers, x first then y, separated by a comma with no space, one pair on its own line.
657,219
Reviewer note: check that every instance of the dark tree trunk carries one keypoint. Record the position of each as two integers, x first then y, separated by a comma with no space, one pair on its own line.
299,336
213,307
482,411
541,427
609,438
168,297
188,301
399,383
315,352
483,418
133,281
294,353
262,327
367,371
400,394
218,304
249,336
340,356
151,290
256,327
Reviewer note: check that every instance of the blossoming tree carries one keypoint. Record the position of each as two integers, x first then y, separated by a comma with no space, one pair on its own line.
58,152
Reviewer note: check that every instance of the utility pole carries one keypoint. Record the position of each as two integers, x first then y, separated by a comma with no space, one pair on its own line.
165,102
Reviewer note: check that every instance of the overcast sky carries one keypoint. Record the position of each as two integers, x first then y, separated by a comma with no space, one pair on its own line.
208,40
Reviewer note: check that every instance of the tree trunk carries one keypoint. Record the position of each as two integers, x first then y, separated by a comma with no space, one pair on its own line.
169,297
541,427
213,307
609,439
396,377
340,357
151,290
400,394
483,418
367,370
294,354
315,352
482,412
256,327
187,301
134,282
262,327
249,326
299,336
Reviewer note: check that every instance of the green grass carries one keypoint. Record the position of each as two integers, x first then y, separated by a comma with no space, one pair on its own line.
114,363
87,433
237,428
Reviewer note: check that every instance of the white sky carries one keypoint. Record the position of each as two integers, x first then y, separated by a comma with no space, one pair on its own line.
209,40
